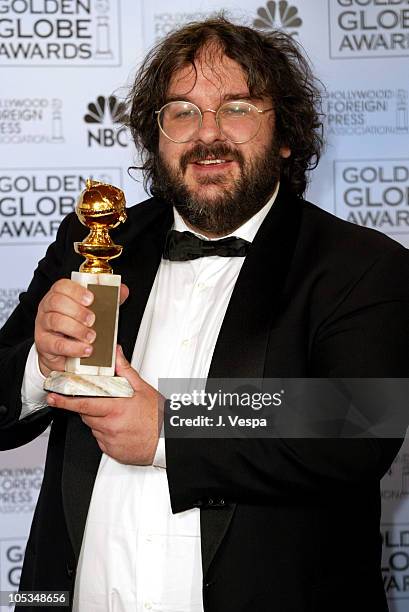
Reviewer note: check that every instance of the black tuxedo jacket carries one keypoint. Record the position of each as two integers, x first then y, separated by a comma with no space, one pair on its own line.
287,525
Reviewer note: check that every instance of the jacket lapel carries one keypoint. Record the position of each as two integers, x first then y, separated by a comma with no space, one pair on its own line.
143,238
241,347
257,296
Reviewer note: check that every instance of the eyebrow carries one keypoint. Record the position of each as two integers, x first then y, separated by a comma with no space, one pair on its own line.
238,96
226,97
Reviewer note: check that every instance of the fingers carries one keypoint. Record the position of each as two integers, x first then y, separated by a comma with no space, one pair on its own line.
55,345
87,407
63,322
54,322
70,299
59,302
79,294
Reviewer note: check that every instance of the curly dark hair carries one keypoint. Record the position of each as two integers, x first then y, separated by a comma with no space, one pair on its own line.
274,66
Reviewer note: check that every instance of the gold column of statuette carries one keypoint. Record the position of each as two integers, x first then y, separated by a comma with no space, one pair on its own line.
100,207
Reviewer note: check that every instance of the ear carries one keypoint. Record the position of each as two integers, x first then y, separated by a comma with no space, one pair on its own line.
285,152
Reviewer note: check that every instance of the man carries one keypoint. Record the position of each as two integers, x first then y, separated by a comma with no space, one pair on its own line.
227,122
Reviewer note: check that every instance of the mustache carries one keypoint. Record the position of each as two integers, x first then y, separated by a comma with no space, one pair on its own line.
201,152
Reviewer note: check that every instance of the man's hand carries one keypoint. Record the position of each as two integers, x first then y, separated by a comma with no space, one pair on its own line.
126,429
63,324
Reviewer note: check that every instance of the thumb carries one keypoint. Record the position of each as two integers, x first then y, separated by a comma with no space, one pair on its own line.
123,293
124,368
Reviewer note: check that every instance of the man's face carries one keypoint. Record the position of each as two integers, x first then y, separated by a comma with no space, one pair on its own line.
216,198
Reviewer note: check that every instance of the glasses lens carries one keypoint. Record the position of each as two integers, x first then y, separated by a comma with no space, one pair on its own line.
239,121
179,120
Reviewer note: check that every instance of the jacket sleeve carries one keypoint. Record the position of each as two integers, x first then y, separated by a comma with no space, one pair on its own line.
16,339
366,336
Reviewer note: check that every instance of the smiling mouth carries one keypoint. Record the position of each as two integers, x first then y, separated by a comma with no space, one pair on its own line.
209,162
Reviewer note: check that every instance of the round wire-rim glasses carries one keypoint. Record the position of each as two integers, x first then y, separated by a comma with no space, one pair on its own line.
238,108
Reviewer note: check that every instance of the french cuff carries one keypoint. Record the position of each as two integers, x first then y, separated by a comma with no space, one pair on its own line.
33,396
159,459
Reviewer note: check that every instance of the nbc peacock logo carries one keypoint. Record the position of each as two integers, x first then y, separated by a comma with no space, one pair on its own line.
109,114
278,16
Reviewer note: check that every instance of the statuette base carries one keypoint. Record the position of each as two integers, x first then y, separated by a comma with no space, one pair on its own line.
67,383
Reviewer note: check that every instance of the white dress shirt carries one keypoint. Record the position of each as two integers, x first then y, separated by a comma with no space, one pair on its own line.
136,555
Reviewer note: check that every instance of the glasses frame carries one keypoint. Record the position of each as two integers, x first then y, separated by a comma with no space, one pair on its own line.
216,112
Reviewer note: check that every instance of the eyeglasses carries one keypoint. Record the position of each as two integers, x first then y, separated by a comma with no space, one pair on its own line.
238,121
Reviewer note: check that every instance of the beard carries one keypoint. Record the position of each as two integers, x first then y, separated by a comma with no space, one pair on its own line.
238,200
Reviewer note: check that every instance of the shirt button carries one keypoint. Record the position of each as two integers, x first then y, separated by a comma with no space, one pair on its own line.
147,605
185,342
200,286
148,539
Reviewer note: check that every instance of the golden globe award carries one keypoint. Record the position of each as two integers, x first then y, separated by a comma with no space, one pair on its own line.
100,207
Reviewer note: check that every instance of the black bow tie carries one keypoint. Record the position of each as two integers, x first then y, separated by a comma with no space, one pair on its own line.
182,246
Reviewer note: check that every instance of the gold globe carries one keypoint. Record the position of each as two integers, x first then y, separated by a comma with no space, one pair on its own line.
100,207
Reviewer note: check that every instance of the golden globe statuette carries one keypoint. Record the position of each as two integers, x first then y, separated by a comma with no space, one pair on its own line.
100,207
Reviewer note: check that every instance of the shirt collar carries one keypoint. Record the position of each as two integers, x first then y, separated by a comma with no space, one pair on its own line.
247,231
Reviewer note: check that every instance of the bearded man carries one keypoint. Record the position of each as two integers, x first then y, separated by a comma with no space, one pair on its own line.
228,273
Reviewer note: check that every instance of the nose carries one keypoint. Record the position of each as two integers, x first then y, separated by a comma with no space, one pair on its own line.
209,131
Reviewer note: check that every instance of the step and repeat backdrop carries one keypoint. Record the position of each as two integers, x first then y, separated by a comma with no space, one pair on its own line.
66,66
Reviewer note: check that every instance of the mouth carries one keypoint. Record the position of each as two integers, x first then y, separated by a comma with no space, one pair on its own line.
208,162
211,163
215,161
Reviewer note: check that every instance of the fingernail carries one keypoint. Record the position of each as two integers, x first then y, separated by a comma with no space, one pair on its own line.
87,351
91,336
90,319
50,401
87,298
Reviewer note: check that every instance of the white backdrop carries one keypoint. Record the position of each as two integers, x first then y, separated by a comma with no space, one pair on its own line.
65,67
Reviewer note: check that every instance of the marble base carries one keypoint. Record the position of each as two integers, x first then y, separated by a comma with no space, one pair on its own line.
87,385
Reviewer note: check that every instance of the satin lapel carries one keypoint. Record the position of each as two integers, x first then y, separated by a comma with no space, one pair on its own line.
256,298
242,342
143,238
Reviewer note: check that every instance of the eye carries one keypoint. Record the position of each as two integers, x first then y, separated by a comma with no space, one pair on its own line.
235,110
184,114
